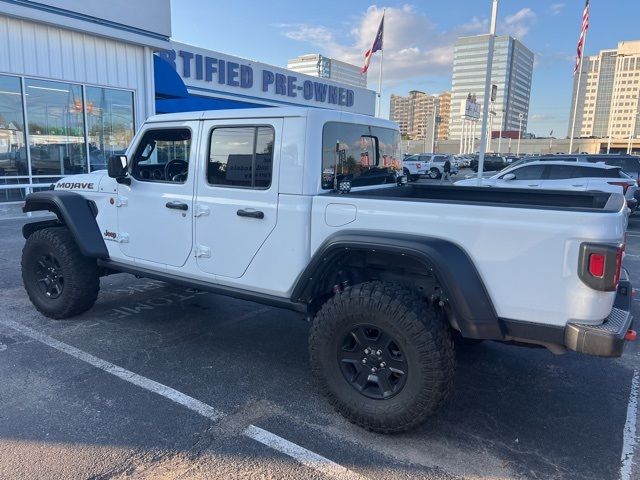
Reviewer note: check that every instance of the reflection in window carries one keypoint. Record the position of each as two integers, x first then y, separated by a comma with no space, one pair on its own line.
109,123
241,157
13,158
56,128
360,154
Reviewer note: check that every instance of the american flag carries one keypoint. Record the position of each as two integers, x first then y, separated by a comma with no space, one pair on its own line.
377,45
583,34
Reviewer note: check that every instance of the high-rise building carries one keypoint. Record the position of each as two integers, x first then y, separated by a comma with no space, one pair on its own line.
444,115
318,65
399,113
414,114
511,72
609,93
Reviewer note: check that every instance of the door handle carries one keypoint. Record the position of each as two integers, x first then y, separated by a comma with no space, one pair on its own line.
177,205
250,213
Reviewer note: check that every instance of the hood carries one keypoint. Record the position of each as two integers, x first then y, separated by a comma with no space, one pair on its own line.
84,182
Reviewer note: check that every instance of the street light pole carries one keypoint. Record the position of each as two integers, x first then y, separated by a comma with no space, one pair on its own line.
520,116
632,131
500,135
487,88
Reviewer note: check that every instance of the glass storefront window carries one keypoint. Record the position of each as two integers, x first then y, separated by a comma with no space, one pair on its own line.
13,158
109,123
55,127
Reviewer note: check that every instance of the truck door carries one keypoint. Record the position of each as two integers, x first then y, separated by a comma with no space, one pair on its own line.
236,204
155,218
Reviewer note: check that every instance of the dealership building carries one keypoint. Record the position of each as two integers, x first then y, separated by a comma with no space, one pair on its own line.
78,79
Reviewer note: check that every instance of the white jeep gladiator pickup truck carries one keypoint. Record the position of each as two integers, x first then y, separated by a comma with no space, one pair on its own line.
304,209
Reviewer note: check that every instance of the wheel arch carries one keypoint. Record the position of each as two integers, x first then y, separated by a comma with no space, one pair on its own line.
72,211
470,303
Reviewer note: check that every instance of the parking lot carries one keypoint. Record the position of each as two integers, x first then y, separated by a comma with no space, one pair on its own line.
161,382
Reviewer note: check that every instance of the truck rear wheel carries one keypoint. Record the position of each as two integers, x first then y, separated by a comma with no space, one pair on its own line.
59,280
383,357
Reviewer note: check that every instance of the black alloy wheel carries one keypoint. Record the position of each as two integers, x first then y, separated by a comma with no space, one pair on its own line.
372,362
49,276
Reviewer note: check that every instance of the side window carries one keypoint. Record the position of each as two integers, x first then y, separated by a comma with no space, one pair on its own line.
241,157
602,172
425,158
163,156
560,172
532,172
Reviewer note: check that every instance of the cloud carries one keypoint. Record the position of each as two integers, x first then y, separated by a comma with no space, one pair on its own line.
556,8
519,24
308,33
542,116
415,48
413,45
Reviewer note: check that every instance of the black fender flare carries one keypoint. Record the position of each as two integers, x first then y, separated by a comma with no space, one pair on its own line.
73,211
473,309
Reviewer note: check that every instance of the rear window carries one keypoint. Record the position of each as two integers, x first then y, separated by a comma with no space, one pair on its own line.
361,154
601,172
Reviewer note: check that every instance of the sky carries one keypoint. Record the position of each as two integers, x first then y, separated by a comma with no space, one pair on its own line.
418,41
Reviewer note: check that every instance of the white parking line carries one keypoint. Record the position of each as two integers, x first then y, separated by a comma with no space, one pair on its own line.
302,455
629,432
142,382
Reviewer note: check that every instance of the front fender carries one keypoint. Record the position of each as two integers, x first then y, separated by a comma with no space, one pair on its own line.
73,211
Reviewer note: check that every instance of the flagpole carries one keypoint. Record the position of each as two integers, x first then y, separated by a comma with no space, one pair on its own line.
575,100
380,74
487,89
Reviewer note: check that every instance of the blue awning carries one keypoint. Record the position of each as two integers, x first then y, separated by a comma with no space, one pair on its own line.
195,104
168,82
172,95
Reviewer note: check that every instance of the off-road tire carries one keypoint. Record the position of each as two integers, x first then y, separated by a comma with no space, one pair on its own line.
81,281
420,331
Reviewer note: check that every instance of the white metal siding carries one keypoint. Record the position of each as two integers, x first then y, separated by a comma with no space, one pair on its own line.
39,50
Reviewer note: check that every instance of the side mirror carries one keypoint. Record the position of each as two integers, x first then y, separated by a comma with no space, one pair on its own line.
509,176
117,166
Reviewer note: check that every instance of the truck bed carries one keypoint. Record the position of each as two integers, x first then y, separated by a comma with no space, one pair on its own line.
504,197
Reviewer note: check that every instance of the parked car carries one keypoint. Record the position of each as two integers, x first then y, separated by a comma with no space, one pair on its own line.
415,166
492,163
429,164
388,275
435,166
562,175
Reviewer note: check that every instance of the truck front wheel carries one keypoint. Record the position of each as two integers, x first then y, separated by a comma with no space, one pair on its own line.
59,280
383,357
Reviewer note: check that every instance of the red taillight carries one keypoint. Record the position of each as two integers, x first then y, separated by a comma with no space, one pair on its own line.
596,264
625,185
601,265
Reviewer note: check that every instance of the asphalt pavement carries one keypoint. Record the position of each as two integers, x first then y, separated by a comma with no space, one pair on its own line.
163,382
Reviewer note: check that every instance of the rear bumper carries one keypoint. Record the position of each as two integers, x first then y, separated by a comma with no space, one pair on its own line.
604,340
608,338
